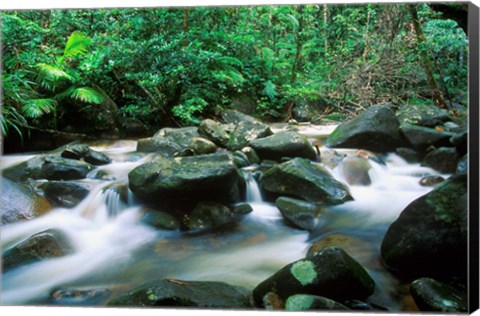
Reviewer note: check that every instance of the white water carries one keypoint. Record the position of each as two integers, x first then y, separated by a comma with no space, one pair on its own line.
113,247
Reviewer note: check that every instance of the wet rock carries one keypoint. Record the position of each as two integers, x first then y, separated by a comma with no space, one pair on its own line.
64,193
240,158
300,178
331,273
345,242
462,166
422,137
429,232
170,180
376,129
202,146
199,294
251,154
235,117
434,296
422,114
284,144
214,131
299,213
50,167
242,209
159,145
355,171
245,132
208,215
410,155
431,181
443,159
80,297
83,152
460,141
272,301
48,244
181,136
363,306
160,220
304,302
19,203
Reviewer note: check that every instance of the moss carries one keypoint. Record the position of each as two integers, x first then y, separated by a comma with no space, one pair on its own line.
299,302
444,198
151,295
304,272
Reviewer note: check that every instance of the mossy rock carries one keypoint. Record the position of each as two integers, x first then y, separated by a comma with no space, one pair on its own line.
165,147
245,132
202,146
305,302
214,131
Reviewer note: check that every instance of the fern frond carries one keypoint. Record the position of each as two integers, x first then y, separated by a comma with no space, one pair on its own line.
291,19
269,90
87,95
77,44
37,107
232,61
230,77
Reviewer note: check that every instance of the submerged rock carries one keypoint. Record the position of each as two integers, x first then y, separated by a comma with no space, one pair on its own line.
443,159
208,215
434,296
160,220
331,273
355,171
173,179
376,129
245,132
300,178
64,193
48,244
19,203
284,144
299,213
429,232
80,297
199,294
304,302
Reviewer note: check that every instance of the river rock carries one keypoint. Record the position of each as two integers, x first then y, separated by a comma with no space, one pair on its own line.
50,167
214,131
376,129
429,232
331,158
83,152
208,215
410,155
421,137
79,297
234,117
187,180
363,306
65,193
422,114
272,302
433,296
251,154
160,220
198,294
299,213
48,244
202,146
331,273
165,147
304,302
300,178
355,171
443,159
182,136
431,181
284,144
245,132
241,159
462,166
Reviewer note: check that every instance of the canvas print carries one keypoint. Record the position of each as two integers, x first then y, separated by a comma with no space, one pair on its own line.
305,157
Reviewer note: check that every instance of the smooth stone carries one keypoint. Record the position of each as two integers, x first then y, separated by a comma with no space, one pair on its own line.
299,213
305,302
202,146
433,296
430,181
160,220
64,193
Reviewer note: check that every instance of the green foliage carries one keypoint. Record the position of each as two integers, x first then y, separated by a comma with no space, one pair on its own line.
37,107
187,111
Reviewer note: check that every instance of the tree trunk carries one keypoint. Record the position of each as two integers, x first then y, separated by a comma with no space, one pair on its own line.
437,94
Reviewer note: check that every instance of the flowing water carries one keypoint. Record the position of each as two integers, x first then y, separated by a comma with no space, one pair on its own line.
114,249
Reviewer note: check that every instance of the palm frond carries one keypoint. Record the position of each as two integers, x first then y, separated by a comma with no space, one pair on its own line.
37,107
77,44
50,75
87,95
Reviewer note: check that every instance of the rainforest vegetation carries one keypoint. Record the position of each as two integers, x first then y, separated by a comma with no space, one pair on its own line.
127,72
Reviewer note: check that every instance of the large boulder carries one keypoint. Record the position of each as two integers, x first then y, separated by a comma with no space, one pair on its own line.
19,203
245,132
284,144
421,137
299,213
65,193
331,273
433,296
198,294
213,131
50,167
376,129
47,244
187,180
429,238
300,178
422,114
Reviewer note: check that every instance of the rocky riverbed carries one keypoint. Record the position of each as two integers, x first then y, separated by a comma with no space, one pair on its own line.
239,214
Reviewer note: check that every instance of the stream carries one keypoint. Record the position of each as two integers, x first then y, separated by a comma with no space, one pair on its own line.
114,249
